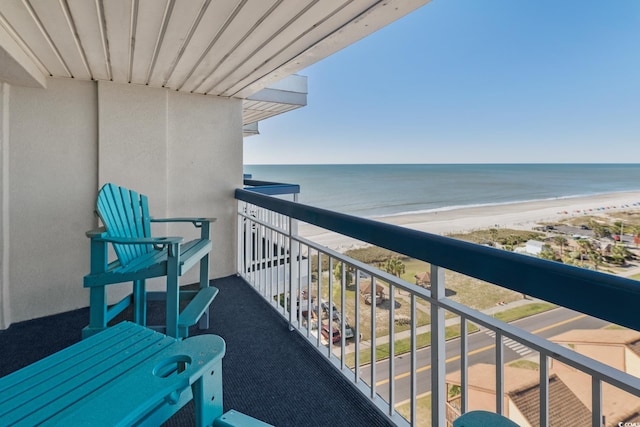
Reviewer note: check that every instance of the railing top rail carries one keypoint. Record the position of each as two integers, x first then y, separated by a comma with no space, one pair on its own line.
605,296
271,188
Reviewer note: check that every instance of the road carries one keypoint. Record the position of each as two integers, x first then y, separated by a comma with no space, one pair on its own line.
481,349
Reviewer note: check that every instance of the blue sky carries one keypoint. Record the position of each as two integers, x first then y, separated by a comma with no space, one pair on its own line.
470,81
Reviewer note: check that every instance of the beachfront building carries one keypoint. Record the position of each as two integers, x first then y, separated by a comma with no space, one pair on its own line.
157,96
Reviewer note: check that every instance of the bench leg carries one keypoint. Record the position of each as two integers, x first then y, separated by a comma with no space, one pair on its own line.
204,283
139,302
207,396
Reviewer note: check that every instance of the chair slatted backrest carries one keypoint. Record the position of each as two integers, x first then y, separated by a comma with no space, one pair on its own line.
125,213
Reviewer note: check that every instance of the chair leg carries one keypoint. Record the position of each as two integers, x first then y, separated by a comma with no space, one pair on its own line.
140,302
173,292
204,283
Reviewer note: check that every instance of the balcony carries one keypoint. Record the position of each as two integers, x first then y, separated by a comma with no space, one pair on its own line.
280,369
433,382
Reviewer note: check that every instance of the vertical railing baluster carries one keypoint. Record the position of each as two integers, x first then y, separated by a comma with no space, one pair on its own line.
309,254
254,254
293,269
438,349
356,331
414,362
318,296
330,311
499,373
273,297
392,349
343,339
273,267
261,244
240,246
373,336
464,365
544,390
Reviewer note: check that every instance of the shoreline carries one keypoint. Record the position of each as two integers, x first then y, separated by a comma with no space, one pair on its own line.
519,215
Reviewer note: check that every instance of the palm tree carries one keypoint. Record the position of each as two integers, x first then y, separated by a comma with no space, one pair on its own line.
587,248
562,242
394,266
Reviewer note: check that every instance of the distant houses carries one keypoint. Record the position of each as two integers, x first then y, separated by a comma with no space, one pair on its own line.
533,247
521,396
569,389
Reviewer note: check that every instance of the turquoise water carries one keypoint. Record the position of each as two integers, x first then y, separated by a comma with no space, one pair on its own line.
376,190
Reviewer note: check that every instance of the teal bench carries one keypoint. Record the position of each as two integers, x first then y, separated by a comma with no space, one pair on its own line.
127,228
127,375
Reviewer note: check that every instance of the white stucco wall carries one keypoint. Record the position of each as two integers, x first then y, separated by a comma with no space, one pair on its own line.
183,151
52,179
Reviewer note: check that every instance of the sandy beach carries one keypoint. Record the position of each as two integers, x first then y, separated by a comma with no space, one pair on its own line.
525,215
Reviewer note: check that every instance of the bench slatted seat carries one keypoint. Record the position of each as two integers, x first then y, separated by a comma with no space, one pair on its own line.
127,228
126,375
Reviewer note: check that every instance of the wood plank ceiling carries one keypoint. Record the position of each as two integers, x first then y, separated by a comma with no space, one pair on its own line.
230,48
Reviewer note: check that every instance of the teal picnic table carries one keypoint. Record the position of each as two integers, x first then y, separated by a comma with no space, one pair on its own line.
126,375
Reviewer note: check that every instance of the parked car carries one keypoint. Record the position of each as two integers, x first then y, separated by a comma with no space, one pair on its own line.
348,331
335,333
584,227
615,237
325,310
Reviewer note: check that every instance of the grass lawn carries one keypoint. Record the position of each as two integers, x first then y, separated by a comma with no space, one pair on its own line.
423,409
524,311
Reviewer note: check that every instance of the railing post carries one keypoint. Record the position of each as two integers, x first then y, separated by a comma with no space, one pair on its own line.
438,355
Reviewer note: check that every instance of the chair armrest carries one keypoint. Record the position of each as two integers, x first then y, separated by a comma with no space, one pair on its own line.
157,241
195,221
96,232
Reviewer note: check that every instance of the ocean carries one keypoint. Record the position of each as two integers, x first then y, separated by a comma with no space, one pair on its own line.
382,190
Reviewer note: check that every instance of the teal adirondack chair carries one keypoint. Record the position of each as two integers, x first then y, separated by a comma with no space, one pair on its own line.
127,227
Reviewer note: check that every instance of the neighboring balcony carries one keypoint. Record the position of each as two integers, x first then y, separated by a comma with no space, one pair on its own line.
449,358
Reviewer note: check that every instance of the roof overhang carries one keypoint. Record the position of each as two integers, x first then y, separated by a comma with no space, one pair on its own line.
230,48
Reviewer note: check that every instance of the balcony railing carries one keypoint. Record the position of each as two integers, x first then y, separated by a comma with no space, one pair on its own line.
310,286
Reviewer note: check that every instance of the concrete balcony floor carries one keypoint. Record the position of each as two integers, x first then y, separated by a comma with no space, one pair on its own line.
269,372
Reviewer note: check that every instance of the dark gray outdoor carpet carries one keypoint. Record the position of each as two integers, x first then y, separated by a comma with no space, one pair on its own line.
269,372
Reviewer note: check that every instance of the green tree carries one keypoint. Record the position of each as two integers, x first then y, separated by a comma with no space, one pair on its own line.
589,251
598,229
547,253
493,233
561,242
337,273
620,254
394,266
